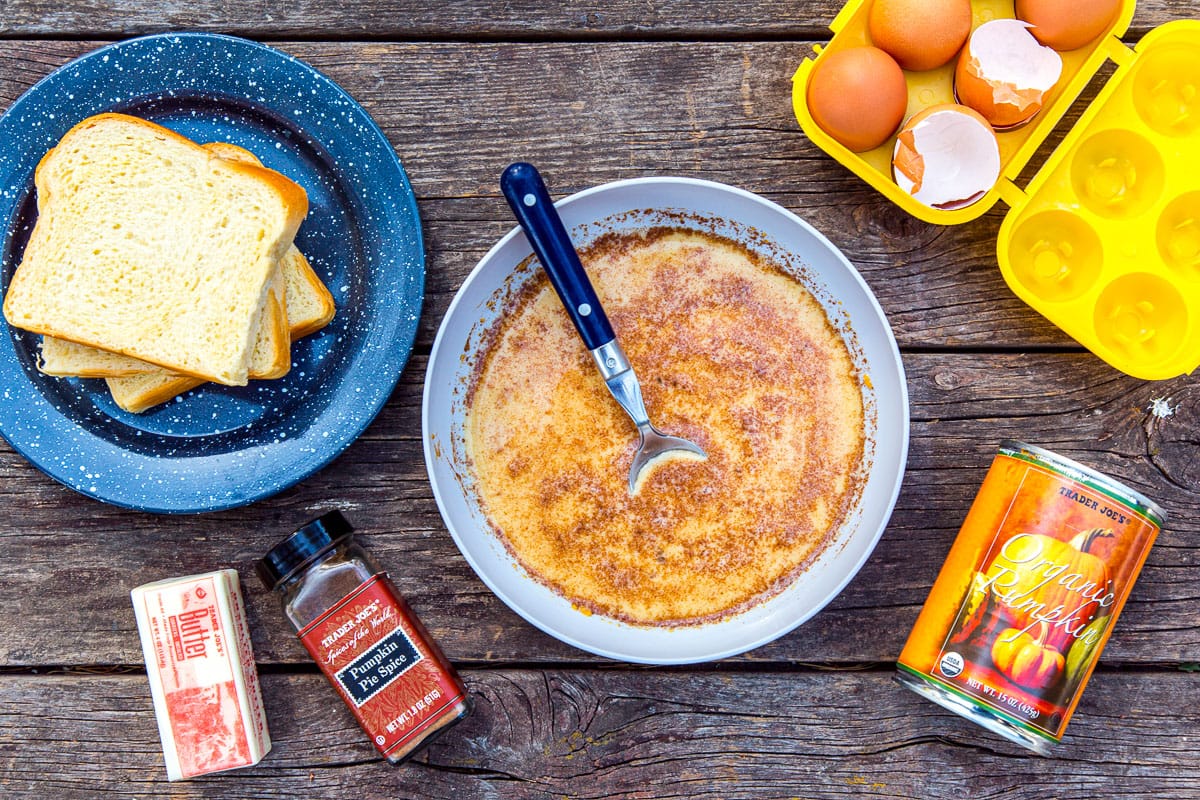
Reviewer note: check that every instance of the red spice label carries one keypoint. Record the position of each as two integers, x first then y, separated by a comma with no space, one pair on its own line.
380,665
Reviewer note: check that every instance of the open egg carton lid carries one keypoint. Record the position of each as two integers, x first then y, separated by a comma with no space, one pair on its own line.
1105,239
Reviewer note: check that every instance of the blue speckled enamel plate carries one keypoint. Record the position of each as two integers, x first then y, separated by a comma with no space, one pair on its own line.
220,447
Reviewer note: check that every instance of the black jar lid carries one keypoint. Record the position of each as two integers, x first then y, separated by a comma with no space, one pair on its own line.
301,547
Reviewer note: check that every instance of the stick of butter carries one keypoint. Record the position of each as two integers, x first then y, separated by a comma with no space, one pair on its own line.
202,677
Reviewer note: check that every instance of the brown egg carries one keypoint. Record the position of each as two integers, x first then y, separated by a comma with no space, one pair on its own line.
1068,24
920,34
858,96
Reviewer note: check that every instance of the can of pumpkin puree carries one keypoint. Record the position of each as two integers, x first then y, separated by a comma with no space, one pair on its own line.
1029,594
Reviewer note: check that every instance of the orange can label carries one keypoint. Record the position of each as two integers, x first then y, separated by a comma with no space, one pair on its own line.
1030,591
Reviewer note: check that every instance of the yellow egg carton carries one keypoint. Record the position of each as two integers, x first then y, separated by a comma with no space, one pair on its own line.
1105,240
936,86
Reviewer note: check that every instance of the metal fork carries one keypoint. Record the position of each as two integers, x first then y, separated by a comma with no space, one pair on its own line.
530,201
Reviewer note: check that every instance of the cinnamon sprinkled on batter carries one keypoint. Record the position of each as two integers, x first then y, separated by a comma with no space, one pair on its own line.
733,354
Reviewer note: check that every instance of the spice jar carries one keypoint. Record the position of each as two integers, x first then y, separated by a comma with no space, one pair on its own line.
364,637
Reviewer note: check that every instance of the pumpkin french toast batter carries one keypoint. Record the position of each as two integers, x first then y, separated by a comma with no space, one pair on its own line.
732,353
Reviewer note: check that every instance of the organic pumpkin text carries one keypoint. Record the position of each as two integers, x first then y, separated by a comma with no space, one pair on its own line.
1028,551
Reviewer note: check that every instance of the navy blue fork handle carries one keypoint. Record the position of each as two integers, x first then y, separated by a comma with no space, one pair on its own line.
526,194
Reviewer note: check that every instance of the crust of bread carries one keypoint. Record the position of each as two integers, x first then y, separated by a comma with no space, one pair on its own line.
140,392
293,201
317,293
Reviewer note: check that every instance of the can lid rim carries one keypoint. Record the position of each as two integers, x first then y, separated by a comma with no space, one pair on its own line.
979,711
1097,479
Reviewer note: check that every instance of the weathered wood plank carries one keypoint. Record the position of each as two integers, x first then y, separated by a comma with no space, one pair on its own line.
70,562
457,19
458,114
552,734
719,108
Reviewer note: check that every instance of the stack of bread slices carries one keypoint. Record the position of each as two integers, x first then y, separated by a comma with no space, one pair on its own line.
160,264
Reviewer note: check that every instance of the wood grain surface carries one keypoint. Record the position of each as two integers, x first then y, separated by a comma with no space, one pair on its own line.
593,93
458,19
554,733
70,550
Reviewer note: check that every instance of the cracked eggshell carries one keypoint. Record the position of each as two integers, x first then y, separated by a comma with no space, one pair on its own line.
1004,73
1068,24
946,157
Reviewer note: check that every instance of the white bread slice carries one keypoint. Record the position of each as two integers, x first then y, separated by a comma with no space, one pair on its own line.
63,358
310,305
310,308
272,345
137,393
147,246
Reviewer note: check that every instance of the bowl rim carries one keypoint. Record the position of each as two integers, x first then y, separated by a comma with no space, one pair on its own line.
430,446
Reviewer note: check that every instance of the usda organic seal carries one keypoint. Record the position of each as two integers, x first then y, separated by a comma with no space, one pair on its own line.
951,664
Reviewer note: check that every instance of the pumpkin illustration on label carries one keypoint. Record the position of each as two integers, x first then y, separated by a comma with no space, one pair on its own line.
981,615
1040,579
1080,656
1028,661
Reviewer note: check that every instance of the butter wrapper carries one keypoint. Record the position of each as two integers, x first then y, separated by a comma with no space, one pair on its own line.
199,660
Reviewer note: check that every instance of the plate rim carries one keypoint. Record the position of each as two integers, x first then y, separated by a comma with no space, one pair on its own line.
172,500
429,445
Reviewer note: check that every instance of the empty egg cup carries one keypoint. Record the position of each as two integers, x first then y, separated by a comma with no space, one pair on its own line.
1166,90
1057,255
1117,174
1142,317
1178,236
1106,240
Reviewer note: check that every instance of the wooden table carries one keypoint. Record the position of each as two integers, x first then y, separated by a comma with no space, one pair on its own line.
592,93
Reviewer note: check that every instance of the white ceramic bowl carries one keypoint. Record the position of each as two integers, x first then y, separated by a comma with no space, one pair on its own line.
762,226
